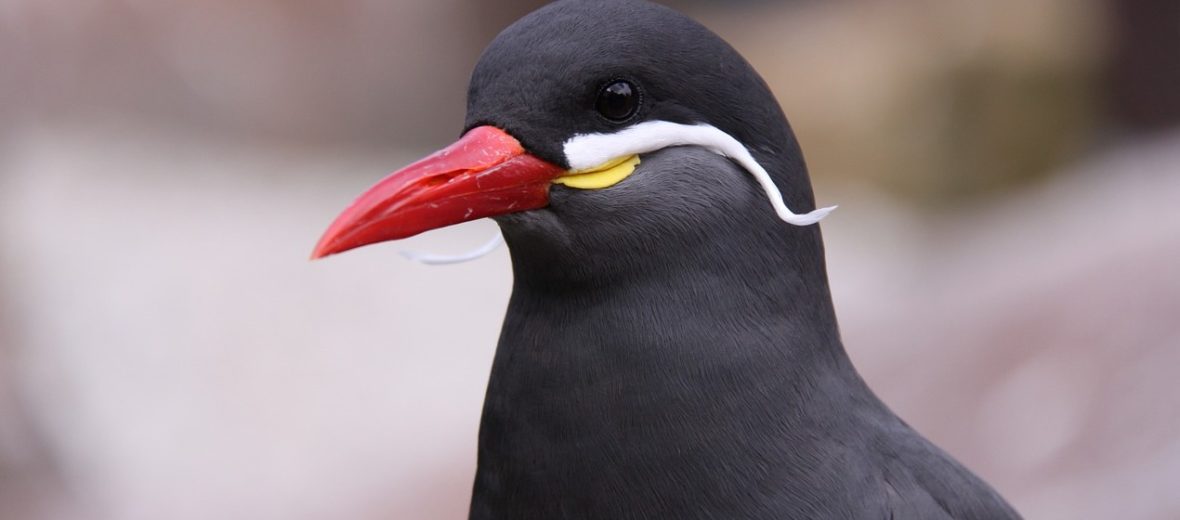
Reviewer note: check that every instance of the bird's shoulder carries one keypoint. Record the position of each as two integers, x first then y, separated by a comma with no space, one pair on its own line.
920,481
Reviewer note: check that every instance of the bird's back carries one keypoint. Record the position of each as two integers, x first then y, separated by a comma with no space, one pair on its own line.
921,481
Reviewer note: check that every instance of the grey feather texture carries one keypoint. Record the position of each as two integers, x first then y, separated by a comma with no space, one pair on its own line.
671,349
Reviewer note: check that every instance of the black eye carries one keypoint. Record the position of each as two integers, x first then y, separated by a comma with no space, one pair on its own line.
618,101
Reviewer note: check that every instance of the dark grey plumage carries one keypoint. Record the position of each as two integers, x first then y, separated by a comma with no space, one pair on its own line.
670,349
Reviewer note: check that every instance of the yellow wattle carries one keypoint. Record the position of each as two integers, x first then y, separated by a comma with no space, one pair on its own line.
599,177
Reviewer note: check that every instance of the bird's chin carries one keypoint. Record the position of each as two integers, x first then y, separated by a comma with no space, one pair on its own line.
534,224
571,212
540,237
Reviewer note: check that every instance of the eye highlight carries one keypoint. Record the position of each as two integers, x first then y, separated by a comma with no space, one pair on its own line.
618,100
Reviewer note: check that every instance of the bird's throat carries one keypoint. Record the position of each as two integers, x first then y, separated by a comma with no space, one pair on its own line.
657,390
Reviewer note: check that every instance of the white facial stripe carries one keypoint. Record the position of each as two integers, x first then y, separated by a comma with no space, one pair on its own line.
590,150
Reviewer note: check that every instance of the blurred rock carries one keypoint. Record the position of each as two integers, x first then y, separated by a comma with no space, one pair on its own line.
1035,338
935,101
259,69
1143,73
938,101
30,488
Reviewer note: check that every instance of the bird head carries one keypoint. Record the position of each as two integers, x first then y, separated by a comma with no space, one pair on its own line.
598,125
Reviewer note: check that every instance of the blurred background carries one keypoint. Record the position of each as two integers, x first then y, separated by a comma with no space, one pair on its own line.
1004,259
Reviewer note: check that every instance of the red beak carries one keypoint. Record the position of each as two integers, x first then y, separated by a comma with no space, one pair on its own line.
485,173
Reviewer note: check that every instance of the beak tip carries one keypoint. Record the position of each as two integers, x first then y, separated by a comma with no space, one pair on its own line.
323,249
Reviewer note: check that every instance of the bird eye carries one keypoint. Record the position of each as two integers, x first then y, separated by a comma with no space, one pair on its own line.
618,101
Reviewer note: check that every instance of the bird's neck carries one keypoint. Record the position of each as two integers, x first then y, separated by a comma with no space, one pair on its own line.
700,365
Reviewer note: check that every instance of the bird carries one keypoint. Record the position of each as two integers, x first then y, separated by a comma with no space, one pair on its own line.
670,349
